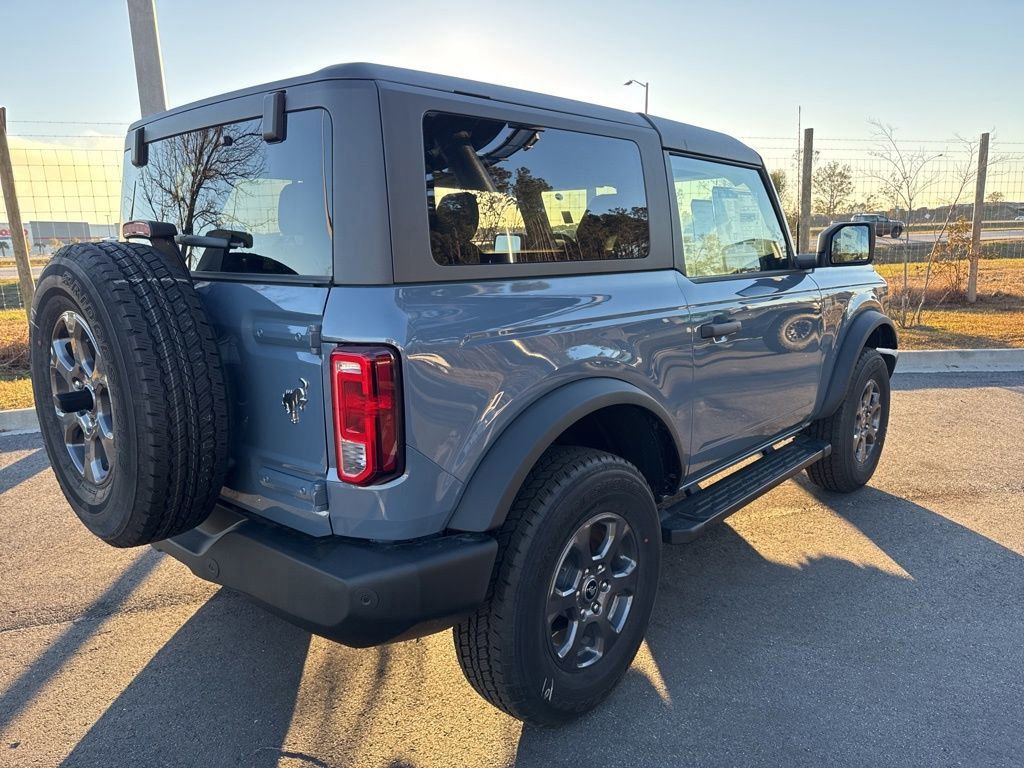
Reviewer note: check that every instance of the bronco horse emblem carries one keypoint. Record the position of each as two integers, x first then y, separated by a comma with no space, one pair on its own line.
294,400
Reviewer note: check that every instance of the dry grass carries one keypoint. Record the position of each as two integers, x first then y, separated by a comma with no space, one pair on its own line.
995,321
15,385
15,393
13,342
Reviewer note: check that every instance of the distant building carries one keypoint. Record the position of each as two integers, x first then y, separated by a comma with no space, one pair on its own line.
46,235
65,231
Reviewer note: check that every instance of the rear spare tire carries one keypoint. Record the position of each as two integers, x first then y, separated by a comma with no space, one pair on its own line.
129,391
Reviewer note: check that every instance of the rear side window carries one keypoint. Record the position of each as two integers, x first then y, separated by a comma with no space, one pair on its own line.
227,178
506,193
728,222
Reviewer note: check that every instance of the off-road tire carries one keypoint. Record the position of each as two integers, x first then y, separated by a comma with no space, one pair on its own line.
504,648
841,471
166,389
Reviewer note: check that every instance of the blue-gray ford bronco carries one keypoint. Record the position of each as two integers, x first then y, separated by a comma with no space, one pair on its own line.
394,353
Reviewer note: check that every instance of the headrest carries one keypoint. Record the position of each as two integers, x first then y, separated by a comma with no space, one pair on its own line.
299,205
602,204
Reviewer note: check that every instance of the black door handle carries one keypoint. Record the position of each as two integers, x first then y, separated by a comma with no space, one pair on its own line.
717,330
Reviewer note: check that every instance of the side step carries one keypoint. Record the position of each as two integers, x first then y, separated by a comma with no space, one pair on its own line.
687,518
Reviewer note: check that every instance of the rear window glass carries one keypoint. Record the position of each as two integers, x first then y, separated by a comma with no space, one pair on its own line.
506,193
227,178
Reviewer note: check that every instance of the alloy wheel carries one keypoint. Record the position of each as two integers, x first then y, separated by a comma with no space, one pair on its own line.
867,421
592,591
81,398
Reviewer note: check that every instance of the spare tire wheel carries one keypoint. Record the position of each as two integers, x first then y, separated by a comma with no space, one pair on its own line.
129,391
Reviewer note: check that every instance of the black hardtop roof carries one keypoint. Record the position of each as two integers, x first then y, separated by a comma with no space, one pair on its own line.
675,135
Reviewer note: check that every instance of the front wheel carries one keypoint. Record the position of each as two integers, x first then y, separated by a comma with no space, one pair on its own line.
856,430
572,591
896,232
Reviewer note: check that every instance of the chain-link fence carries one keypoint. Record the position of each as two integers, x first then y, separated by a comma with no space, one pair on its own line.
924,187
68,178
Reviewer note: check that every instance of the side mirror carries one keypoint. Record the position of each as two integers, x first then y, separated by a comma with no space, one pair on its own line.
846,244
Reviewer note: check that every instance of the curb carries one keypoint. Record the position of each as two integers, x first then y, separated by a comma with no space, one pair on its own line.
24,420
960,361
18,421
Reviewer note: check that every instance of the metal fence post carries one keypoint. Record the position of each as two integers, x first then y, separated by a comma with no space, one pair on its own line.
979,214
804,229
18,239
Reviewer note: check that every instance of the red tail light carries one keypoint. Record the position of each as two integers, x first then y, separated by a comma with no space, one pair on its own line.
367,415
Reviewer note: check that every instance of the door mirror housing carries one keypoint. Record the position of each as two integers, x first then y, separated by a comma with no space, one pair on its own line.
847,243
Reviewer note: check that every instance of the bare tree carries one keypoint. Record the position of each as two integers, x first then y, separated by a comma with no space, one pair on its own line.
189,177
965,171
904,176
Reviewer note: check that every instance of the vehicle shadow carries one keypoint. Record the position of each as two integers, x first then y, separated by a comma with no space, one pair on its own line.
826,661
20,693
28,466
220,692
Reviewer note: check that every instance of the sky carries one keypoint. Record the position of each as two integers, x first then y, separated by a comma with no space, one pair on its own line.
932,69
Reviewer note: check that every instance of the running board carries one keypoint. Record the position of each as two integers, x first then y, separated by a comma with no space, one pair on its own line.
687,518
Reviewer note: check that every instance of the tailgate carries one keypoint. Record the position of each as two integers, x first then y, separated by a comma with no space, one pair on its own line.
269,338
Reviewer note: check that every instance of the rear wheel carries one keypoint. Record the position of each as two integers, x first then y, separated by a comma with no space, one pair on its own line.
856,430
129,391
573,589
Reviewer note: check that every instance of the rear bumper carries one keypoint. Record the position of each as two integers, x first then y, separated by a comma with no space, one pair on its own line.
354,592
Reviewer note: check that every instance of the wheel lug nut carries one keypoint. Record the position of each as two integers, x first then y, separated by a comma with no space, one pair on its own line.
605,586
596,607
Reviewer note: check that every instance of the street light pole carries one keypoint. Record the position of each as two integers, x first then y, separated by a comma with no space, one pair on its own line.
646,90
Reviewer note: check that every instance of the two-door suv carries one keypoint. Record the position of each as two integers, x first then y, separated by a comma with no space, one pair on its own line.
393,353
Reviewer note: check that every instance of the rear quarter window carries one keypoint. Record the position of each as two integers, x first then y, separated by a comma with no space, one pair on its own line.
507,193
228,178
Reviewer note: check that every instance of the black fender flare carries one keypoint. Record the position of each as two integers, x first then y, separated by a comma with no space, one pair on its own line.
496,480
853,342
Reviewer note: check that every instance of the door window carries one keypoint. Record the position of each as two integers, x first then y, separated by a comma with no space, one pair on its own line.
728,223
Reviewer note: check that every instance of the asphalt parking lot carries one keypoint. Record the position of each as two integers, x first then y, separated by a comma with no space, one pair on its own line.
881,628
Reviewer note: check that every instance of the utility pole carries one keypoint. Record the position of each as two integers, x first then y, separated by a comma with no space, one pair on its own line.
149,67
979,214
20,242
804,234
